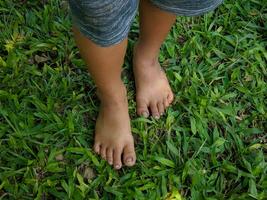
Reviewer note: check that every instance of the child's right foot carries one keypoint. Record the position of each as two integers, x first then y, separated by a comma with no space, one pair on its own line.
113,138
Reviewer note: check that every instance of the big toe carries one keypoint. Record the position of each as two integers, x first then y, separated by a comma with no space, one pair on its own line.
142,108
154,110
129,156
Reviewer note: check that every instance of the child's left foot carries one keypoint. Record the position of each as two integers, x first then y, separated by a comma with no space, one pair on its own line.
153,92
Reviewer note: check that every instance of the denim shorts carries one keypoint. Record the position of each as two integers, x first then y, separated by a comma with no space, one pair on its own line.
107,22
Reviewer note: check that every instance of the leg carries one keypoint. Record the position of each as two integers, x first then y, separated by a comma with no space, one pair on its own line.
113,136
100,30
153,90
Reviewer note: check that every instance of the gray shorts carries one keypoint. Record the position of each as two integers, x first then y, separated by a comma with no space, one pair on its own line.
107,22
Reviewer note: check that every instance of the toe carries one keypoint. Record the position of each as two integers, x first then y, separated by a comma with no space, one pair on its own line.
97,147
103,152
170,97
129,155
142,108
154,110
117,158
161,108
109,154
166,103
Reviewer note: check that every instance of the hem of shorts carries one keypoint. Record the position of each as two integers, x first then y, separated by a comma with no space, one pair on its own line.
97,41
100,41
184,12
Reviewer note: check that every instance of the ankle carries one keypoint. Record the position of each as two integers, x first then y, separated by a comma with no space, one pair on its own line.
115,95
145,53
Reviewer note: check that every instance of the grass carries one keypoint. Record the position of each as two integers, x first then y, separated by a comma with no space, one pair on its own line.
211,144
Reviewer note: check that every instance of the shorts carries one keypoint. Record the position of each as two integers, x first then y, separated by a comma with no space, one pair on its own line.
107,22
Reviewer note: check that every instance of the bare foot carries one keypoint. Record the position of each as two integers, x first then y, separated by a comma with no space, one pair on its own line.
153,92
113,138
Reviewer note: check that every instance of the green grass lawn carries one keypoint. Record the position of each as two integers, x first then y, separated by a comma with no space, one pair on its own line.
211,144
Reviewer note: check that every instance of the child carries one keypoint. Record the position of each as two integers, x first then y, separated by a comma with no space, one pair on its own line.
100,28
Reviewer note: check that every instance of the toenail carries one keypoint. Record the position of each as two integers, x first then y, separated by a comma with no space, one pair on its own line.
97,150
129,160
117,166
110,162
156,117
161,114
145,114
